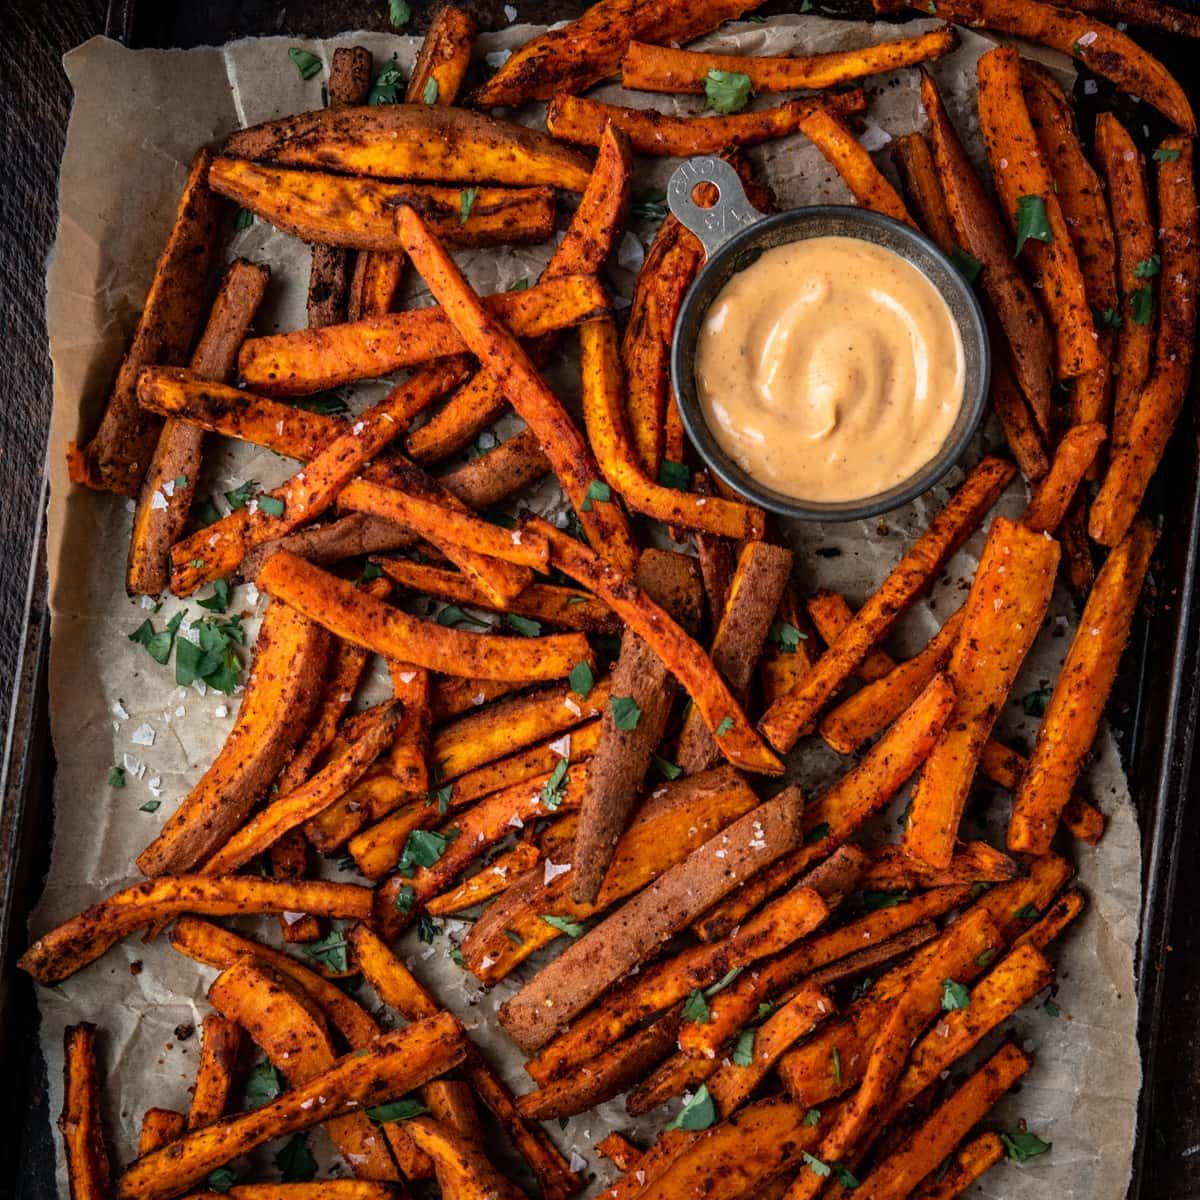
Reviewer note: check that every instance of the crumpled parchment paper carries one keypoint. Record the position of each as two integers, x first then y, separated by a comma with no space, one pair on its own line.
138,119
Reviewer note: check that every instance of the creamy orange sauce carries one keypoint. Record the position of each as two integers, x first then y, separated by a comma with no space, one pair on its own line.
830,369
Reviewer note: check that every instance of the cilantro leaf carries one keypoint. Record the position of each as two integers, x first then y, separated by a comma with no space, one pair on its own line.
786,636
116,777
263,1085
423,849
596,490
862,987
150,806
845,1176
206,513
674,475
985,956
724,727
698,1113
399,13
818,833
324,404
555,787
1021,1147
811,1117
1148,267
572,929
514,937
466,199
456,956
727,91
403,1109
1141,305
723,982
370,573
525,626
837,1066
666,768
1107,318
295,1161
1034,703
244,220
1052,1009
581,679
451,614
429,93
307,64
1030,912
158,645
874,900
330,952
404,898
1164,154
954,996
625,711
426,929
271,505
442,796
1032,222
221,1180
649,205
387,85
695,1008
743,1050
968,265
219,601
815,1165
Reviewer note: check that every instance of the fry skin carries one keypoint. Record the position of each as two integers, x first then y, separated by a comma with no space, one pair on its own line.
499,874
88,1169
830,613
1013,412
500,473
443,59
914,161
220,1045
966,1166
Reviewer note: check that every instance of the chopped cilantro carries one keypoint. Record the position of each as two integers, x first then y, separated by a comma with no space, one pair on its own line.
698,1113
263,1085
398,1110
387,85
625,711
404,898
743,1050
845,1176
555,787
1030,912
1032,222
456,956
837,1066
399,13
726,724
1148,267
1141,305
727,91
815,1165
862,987
218,602
330,952
151,806
514,937
324,404
442,796
426,929
666,768
968,265
423,849
811,1117
370,573
466,201
295,1161
982,959
695,1008
817,834
1052,1009
451,615
525,626
874,900
1107,318
271,505
674,475
565,925
649,205
786,636
581,679
1021,1147
221,1180
954,996
1034,703
116,777
429,93
1165,154
158,645
596,490
244,220
307,64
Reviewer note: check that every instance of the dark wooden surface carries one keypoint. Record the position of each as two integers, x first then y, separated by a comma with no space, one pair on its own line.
36,99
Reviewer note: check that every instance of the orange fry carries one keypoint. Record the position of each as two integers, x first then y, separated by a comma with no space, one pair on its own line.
80,1122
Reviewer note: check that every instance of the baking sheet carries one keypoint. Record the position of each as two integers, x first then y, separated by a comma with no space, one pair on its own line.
138,118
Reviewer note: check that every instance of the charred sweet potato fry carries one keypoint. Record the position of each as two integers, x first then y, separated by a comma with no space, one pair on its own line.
794,713
332,541
119,454
415,141
966,1165
174,472
1015,414
159,1126
575,119
461,1165
830,613
1052,497
445,54
973,862
1133,461
914,161
500,473
790,651
282,692
80,1123
408,759
220,1045
501,873
1081,692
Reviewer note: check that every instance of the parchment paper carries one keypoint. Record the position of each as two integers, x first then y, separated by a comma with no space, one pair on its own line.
138,119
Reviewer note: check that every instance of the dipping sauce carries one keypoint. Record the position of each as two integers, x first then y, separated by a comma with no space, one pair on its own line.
830,369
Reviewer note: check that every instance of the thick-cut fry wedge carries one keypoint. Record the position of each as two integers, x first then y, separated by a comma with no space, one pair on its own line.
500,473
966,1166
501,354
581,121
973,862
568,608
980,230
623,756
80,1123
795,713
666,69
711,696
618,460
830,613
1124,170
415,141
761,574
836,141
408,758
282,691
159,1126
928,1146
1074,454
501,873
1002,615
174,472
563,988
394,1064
294,808
295,1040
672,822
312,360
678,1075
377,849
1081,692
463,1169
119,454
352,615
338,212
374,284
1013,411
1019,171
790,651
914,161
220,1045
1103,50
1014,905
1134,460
84,938
849,802
659,987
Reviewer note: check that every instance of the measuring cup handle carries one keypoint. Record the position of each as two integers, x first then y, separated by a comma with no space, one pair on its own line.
730,215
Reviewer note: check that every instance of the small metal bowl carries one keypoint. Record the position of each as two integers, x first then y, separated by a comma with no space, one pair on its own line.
734,234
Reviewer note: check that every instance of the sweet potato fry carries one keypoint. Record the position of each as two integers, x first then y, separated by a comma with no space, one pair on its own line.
618,459
914,161
973,862
159,1126
500,473
1081,692
295,1040
855,966
666,69
574,119
980,230
415,141
710,694
394,1064
1014,413
119,454
408,759
282,691
1019,172
376,849
1134,460
1014,905
1051,499
83,939
374,283
174,472
830,613
352,615
761,574
790,651
623,755
220,1045
619,1150
671,1079
312,360
80,1123
794,713
836,141
501,873
1001,618
1042,932
563,988
462,1168
318,1189
966,1165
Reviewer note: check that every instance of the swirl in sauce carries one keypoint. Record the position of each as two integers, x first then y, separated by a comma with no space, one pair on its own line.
830,369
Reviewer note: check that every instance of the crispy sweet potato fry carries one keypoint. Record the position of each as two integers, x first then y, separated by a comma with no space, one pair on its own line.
914,161
794,713
830,613
312,360
1014,413
973,862
500,473
501,873
119,453
667,69
563,988
1001,618
687,662
1014,905
677,1075
574,119
394,1064
174,472
1081,692
1147,14
1051,500
623,756
374,283
755,591
408,758
83,939
415,141
220,1045
352,615
318,1189
966,1165
618,459
619,1151
1019,171
1043,931
790,651
80,1123
463,1169
159,1126
377,849
282,691
1134,460
980,230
